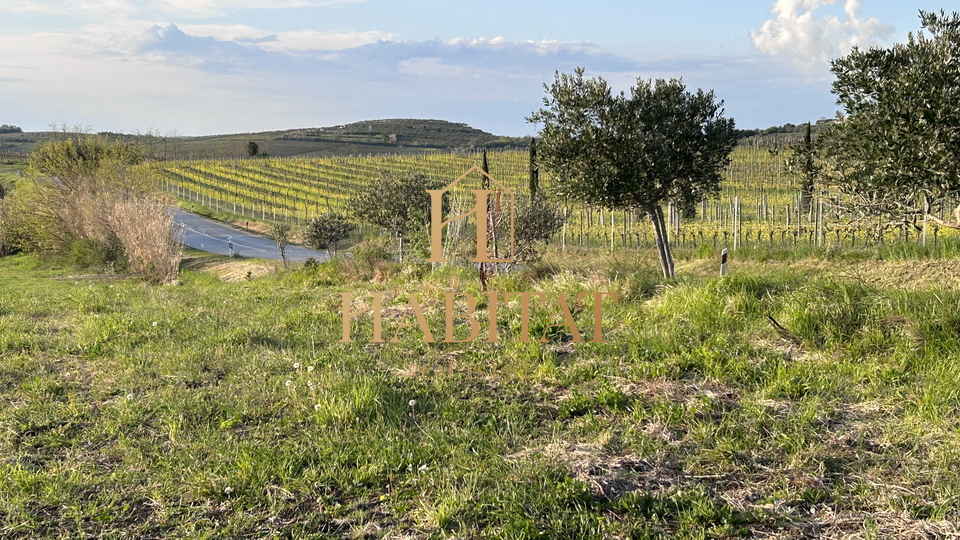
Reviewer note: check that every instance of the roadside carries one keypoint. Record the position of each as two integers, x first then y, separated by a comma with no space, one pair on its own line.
216,237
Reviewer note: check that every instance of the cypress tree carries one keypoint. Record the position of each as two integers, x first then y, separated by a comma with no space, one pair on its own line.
534,170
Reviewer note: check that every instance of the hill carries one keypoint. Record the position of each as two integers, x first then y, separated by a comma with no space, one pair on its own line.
405,132
392,136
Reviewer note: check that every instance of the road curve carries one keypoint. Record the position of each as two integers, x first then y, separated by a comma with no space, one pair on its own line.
214,237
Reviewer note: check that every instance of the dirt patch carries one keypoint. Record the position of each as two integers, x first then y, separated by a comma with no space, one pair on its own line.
608,476
664,389
233,271
228,270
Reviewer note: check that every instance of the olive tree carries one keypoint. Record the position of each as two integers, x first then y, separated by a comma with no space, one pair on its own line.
398,203
327,230
893,155
658,143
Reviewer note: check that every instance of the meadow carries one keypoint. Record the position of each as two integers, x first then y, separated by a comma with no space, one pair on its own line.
230,409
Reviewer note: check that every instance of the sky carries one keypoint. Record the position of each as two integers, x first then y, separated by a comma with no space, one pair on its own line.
195,67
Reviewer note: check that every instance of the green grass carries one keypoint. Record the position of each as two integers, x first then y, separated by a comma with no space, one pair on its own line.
165,412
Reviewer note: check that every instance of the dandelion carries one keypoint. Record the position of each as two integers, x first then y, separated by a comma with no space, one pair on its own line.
309,368
296,365
154,323
288,383
317,407
412,402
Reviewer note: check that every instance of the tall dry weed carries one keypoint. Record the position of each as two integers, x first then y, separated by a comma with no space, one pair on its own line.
151,243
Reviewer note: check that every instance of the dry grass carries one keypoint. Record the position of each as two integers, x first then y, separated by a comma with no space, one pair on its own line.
146,230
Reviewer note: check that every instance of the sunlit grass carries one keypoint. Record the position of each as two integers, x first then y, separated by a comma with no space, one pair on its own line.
227,410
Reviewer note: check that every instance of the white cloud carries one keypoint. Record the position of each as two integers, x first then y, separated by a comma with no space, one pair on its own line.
297,40
213,8
104,8
810,41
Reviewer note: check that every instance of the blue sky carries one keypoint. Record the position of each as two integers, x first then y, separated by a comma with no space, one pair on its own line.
217,66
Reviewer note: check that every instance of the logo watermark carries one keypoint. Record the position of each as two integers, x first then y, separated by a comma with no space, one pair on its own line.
486,225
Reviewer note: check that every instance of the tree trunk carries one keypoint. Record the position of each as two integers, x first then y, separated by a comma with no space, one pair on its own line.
653,212
666,240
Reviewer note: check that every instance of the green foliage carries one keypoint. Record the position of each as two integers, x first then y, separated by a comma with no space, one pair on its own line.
894,154
327,230
369,255
536,222
7,128
253,149
82,156
659,143
29,222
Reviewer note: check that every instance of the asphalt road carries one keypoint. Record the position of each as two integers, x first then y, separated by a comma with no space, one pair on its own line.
212,236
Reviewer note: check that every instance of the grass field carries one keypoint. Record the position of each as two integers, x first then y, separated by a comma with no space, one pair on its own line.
221,409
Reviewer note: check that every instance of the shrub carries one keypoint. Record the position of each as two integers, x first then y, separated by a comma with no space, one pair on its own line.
280,233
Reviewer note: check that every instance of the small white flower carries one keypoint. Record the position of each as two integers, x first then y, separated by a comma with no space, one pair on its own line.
228,490
317,407
296,365
154,323
410,466
129,396
310,384
288,383
67,374
422,468
412,402
309,368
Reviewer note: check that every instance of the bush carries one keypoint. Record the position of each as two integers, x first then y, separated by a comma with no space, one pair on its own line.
373,259
93,210
89,253
30,222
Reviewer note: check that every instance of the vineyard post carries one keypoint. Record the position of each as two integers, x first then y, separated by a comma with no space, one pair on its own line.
563,238
820,220
625,219
735,222
676,215
613,232
581,226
